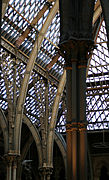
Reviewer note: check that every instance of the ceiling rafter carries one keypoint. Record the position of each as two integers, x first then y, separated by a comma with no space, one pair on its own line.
33,23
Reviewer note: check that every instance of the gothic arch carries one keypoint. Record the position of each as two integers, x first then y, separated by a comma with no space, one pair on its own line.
54,117
23,155
36,137
58,138
98,164
4,126
62,146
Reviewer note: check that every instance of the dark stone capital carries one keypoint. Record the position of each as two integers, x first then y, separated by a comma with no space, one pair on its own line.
45,171
76,51
11,158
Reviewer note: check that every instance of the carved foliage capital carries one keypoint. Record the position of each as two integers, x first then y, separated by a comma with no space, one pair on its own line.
45,170
76,126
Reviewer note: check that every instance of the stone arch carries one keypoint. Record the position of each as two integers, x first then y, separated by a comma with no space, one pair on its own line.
23,155
4,126
98,163
54,117
36,137
62,146
57,137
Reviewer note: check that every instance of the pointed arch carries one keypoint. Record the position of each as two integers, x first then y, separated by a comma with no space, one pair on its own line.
4,126
54,118
36,136
62,146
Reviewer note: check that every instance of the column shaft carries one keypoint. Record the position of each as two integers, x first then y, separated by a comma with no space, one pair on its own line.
74,154
9,171
83,154
76,119
11,161
69,154
82,120
14,171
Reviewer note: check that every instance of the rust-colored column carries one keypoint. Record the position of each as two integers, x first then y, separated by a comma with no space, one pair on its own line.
76,42
69,153
74,153
81,69
83,153
69,117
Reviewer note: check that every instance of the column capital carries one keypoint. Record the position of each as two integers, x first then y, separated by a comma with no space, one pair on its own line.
71,126
45,171
83,127
11,158
76,126
76,51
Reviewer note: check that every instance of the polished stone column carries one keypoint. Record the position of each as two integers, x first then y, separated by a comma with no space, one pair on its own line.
11,161
76,56
82,120
14,170
9,170
83,153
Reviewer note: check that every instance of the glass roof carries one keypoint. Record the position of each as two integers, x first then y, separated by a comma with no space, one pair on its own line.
21,26
98,85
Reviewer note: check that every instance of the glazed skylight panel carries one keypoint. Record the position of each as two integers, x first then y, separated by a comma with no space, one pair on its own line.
51,97
13,73
16,29
3,95
98,85
61,116
35,100
18,22
52,94
53,34
28,8
43,57
54,29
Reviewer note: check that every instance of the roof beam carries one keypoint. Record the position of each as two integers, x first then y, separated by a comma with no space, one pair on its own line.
33,26
33,23
24,58
97,13
97,5
35,133
54,60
